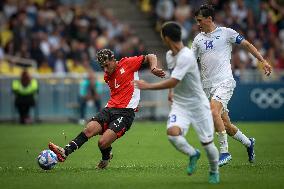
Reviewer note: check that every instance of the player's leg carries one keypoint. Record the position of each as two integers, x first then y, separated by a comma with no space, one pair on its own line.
204,128
93,128
121,121
221,95
236,133
178,140
217,108
104,143
177,127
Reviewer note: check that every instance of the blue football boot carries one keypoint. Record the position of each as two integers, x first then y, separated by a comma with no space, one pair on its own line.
224,159
250,150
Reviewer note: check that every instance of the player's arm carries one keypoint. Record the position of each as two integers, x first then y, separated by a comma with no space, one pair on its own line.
165,84
153,65
250,48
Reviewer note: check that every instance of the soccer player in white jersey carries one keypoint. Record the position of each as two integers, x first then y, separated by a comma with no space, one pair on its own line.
190,104
212,47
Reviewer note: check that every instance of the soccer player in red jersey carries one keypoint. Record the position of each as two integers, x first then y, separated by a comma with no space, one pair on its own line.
117,116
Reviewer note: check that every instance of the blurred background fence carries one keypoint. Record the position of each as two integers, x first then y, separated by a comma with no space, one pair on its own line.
57,99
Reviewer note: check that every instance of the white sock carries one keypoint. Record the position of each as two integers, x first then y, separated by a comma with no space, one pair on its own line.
222,138
181,144
239,136
213,156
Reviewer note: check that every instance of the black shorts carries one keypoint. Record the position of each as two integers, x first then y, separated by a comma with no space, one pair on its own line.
117,119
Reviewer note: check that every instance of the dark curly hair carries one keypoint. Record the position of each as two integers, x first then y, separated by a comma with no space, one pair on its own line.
104,55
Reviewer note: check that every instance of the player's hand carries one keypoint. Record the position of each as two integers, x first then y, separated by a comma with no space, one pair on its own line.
158,72
141,84
266,67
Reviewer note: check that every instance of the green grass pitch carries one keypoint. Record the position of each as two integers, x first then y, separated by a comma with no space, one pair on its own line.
143,158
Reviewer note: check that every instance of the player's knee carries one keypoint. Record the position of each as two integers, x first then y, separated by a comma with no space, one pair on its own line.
215,113
102,143
92,129
173,131
173,134
88,132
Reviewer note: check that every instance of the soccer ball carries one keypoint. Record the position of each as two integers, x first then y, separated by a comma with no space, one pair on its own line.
47,159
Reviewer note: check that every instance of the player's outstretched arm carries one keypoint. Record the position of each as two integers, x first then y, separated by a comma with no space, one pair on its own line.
165,84
153,62
250,48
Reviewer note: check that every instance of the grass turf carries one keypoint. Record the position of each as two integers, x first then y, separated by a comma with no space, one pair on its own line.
143,158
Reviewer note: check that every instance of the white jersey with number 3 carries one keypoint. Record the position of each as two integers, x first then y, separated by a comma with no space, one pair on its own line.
190,104
188,93
214,53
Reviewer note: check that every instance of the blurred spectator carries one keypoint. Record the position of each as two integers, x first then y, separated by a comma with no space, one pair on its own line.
44,68
89,94
61,32
164,11
57,62
25,90
182,14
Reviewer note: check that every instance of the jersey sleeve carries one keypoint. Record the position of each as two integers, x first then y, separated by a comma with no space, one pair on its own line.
194,48
134,63
183,64
170,64
233,36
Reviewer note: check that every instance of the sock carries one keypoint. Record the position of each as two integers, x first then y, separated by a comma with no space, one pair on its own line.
105,153
239,136
76,143
222,138
181,144
213,157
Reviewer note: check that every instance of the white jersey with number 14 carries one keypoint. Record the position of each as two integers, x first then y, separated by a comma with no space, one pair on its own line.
213,50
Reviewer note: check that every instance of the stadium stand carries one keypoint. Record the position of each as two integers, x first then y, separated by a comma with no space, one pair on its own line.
61,36
261,22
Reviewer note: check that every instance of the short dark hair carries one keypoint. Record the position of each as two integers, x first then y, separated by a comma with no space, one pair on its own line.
206,11
104,55
172,30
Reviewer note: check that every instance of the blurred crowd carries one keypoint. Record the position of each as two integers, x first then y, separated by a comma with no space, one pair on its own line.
60,36
63,36
260,21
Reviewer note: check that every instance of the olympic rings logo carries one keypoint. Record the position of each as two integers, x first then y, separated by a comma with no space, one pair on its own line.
266,98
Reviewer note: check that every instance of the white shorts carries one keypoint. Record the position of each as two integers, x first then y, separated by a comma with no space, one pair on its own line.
182,118
221,92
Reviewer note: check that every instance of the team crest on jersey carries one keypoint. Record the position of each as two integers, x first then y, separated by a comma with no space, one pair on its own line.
121,71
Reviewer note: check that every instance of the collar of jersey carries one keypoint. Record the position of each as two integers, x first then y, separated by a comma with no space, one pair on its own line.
216,29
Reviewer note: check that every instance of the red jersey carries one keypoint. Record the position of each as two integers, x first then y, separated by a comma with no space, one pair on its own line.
122,91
